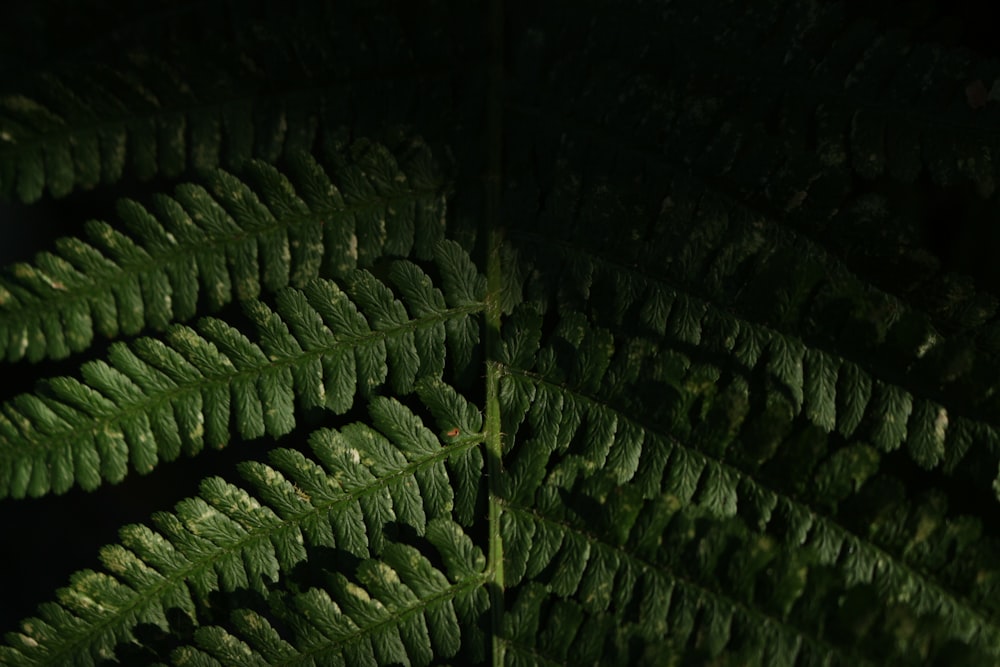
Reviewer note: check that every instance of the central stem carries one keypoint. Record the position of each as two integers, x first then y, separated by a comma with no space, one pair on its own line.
492,220
494,449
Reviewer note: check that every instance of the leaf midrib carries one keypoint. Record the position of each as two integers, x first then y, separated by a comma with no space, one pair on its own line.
702,590
47,443
94,631
985,622
156,262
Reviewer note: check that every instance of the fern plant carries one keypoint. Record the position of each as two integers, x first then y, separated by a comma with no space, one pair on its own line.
571,338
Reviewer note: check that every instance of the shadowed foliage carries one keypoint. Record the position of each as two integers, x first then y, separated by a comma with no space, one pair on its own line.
639,333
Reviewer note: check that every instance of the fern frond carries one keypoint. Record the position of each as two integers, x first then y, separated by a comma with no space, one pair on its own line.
364,631
783,144
361,485
215,105
579,438
153,399
401,610
87,127
848,355
717,400
218,244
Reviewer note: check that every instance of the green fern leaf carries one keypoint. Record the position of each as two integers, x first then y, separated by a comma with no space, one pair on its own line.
663,367
209,377
202,245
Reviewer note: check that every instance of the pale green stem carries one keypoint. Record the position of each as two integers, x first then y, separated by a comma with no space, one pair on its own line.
492,220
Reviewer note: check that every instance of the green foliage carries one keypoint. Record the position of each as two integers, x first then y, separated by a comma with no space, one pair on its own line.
646,362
